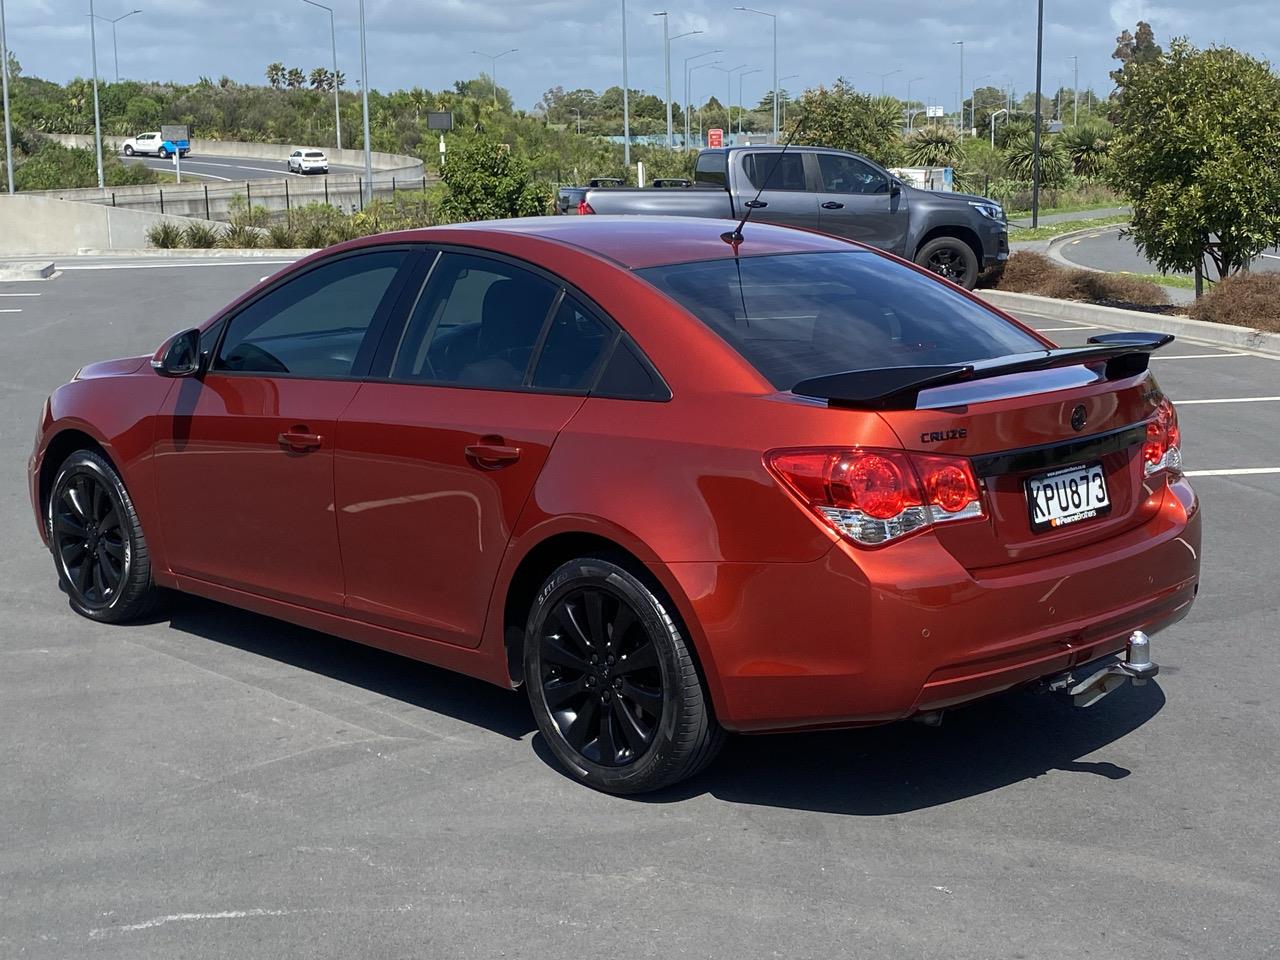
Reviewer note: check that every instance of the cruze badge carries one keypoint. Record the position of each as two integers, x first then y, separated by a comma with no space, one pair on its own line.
938,436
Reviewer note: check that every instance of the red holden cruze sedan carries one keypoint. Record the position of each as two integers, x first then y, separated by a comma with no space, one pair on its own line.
670,485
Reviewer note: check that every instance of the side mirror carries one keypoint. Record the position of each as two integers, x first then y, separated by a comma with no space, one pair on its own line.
179,356
895,188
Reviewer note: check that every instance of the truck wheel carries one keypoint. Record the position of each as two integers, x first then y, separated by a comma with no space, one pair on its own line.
952,258
128,150
164,154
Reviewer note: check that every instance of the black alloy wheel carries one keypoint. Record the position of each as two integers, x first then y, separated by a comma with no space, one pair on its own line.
97,543
89,539
952,258
600,678
612,681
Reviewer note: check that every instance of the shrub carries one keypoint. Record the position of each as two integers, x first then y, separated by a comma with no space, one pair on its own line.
282,236
1244,300
486,180
241,237
166,235
201,236
1087,147
932,146
1019,157
243,215
1028,272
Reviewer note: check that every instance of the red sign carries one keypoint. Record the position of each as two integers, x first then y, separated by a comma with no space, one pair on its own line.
715,137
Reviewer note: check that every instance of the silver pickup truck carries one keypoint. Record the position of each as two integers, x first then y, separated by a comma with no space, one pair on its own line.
953,234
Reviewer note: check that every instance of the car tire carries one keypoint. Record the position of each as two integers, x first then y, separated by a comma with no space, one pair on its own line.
952,258
112,582
128,150
612,681
163,154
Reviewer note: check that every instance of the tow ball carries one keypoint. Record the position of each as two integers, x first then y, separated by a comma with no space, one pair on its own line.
1088,683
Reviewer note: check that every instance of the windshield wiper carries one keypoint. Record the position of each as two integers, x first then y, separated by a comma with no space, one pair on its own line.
899,388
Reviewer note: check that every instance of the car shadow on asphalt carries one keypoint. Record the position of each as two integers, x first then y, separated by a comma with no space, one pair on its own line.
874,771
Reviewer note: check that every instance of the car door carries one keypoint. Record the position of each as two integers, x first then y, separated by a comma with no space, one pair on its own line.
860,202
244,453
436,460
785,194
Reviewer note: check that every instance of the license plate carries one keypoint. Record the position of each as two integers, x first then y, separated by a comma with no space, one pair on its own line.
1067,496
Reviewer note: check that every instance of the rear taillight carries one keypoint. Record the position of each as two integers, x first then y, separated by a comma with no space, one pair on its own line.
1163,449
584,208
872,497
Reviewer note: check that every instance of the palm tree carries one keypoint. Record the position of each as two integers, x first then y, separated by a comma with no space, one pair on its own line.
419,100
295,79
275,74
320,79
1087,146
933,146
340,79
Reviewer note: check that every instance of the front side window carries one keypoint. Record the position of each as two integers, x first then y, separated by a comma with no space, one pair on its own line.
476,323
313,325
774,170
797,316
841,174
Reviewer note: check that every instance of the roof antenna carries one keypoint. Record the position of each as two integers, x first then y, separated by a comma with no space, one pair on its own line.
734,237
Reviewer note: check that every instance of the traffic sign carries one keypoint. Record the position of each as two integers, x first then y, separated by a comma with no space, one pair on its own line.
935,110
439,120
715,137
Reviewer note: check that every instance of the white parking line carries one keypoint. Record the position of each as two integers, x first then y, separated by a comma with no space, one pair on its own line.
11,311
19,294
1201,356
1061,329
1187,403
1241,472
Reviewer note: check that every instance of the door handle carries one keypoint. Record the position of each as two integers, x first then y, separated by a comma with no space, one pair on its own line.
833,205
299,440
756,204
492,453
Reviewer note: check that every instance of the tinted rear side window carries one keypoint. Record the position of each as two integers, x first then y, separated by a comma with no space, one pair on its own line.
798,316
712,169
775,171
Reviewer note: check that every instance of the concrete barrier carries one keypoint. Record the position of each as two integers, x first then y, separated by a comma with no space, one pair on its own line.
44,225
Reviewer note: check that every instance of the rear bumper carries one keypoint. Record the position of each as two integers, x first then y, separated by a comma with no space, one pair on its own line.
866,637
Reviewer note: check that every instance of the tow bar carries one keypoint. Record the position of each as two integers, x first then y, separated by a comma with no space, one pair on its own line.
1089,682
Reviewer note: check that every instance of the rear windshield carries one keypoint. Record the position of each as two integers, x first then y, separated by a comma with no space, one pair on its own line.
712,169
314,154
796,316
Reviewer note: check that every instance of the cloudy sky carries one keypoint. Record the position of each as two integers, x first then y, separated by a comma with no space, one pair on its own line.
576,43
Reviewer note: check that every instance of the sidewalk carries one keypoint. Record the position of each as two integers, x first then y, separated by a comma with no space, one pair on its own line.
1052,218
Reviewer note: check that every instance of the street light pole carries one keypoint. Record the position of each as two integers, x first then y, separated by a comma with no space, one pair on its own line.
782,80
115,46
687,73
1005,111
493,68
626,94
774,18
728,92
691,71
740,101
364,98
973,102
667,40
333,42
885,76
97,112
960,44
1035,147
4,86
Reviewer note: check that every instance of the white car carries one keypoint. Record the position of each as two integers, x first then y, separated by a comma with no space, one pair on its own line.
308,161
151,145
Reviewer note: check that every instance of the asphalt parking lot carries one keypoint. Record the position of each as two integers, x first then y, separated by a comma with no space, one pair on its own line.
217,784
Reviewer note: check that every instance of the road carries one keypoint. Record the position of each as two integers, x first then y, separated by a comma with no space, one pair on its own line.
217,784
229,169
1106,249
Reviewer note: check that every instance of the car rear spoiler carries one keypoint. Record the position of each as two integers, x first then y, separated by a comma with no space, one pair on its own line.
898,388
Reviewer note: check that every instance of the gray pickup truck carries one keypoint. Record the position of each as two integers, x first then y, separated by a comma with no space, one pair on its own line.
953,234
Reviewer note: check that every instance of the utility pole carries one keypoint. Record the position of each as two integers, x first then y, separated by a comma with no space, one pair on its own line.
4,84
97,112
960,44
1035,148
333,42
626,95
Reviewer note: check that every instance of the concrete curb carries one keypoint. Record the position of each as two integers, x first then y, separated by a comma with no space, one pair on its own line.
219,253
26,271
1214,334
